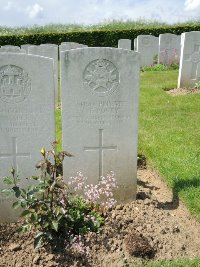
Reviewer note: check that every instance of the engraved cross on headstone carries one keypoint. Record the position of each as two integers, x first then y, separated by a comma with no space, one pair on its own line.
14,154
195,59
101,148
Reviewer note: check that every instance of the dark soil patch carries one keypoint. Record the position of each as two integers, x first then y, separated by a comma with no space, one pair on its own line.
155,227
181,91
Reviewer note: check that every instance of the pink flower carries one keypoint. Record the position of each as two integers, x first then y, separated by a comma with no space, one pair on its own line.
99,194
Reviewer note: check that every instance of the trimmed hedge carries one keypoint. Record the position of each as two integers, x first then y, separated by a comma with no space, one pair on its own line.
93,38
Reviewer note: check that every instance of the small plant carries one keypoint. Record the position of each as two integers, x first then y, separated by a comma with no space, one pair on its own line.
161,67
197,85
53,209
155,59
157,67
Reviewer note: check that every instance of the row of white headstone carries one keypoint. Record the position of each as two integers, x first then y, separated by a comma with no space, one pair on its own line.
99,99
184,49
45,50
99,103
169,48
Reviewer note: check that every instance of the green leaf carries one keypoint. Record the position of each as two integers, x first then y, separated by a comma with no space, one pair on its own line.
26,213
38,241
24,192
23,204
7,192
17,191
24,228
49,235
8,180
20,230
46,224
16,204
55,225
38,234
34,217
60,217
35,177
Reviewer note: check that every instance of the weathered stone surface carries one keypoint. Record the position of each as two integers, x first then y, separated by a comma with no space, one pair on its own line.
135,44
54,45
70,45
189,70
169,48
146,46
124,43
27,120
11,49
50,51
25,47
99,92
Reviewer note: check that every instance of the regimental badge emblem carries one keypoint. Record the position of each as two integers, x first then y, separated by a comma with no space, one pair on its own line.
101,77
15,84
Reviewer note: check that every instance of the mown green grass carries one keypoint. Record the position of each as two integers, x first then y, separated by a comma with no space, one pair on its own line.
169,135
180,263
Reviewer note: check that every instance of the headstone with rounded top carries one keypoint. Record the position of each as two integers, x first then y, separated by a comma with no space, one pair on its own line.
169,48
124,43
25,47
189,70
27,120
146,47
50,52
99,92
70,45
11,49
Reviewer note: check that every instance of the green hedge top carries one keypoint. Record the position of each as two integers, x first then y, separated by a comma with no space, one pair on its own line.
100,38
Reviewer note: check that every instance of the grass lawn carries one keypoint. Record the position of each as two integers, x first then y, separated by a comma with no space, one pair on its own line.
169,135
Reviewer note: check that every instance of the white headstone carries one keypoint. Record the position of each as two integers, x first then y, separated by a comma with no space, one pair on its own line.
54,45
70,45
50,52
11,49
169,48
25,47
189,70
99,92
27,120
198,73
146,47
124,43
11,46
135,44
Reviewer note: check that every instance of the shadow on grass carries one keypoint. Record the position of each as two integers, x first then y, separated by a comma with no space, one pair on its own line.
178,186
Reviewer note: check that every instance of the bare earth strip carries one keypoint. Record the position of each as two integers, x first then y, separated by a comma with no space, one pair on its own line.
183,91
155,227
